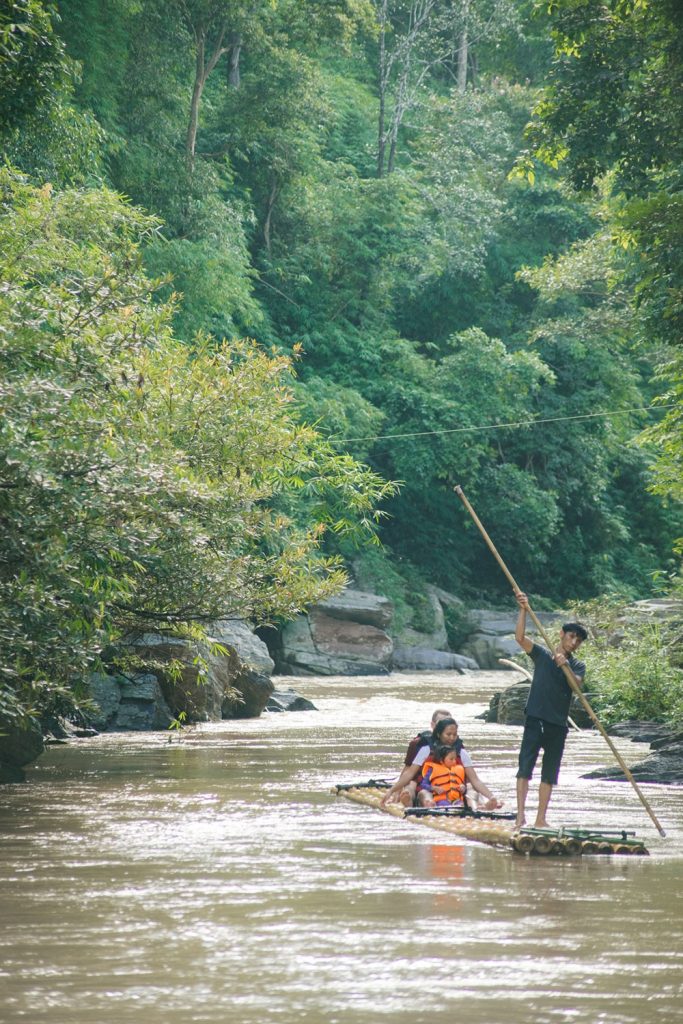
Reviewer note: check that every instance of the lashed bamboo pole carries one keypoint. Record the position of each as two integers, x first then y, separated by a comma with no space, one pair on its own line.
570,679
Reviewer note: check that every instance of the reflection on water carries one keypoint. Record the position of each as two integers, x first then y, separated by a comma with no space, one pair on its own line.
216,880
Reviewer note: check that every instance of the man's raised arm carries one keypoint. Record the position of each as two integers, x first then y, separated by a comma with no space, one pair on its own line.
525,642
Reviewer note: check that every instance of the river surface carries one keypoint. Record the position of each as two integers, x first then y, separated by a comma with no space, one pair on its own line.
216,879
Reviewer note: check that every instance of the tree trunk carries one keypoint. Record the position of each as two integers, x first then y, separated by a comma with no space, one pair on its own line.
382,83
234,60
272,198
203,69
473,66
463,50
199,83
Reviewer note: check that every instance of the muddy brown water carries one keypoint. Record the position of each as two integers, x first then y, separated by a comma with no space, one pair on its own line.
216,879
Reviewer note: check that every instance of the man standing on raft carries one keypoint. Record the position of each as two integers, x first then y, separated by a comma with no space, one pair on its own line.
547,708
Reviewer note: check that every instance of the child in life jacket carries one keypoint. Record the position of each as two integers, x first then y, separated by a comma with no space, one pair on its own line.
443,780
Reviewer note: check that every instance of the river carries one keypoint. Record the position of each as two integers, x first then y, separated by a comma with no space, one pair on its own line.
214,878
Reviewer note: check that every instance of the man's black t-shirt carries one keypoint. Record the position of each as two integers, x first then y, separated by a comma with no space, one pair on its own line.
551,694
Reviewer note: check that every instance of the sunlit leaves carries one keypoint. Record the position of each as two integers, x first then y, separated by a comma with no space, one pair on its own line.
140,477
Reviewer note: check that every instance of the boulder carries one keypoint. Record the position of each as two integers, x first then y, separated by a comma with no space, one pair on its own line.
511,703
246,669
655,608
664,766
426,659
494,635
437,638
19,745
485,649
289,700
579,715
507,707
173,662
125,704
238,635
359,606
667,741
323,645
236,682
503,623
642,731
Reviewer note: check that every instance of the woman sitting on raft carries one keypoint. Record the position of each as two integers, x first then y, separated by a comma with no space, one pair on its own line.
443,780
445,733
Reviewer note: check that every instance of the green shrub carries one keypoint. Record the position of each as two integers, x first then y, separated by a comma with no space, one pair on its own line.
633,666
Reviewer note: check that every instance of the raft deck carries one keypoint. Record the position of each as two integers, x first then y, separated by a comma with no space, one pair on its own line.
497,829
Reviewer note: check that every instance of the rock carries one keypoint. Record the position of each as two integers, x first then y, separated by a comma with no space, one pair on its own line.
105,691
289,700
665,766
237,634
19,746
128,704
503,623
668,608
57,729
511,704
426,659
248,686
667,741
494,635
359,606
437,639
448,600
579,715
486,648
507,707
236,683
323,645
250,695
173,662
641,731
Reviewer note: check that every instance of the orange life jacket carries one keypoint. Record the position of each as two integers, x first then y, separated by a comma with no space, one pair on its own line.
448,778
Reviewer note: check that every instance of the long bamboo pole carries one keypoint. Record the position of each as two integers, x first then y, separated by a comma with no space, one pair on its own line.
570,679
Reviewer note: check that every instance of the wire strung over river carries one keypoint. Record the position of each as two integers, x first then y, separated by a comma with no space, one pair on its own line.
502,426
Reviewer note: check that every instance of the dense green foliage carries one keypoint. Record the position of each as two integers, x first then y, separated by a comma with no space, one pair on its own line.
610,117
332,178
145,483
636,664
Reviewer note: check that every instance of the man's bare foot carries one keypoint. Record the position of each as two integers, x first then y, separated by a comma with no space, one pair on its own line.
520,822
541,824
406,799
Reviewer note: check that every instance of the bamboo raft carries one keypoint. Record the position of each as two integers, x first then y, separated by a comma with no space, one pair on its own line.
499,830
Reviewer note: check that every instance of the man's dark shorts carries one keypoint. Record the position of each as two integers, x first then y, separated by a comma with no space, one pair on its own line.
541,735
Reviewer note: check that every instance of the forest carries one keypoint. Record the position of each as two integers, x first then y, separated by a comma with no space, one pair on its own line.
277,275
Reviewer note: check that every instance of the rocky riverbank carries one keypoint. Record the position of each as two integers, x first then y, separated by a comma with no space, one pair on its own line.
664,765
353,633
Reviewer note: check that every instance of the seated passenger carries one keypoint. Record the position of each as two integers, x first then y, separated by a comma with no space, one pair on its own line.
443,780
407,796
445,733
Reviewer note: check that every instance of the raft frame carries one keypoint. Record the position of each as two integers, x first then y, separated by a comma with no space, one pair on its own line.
494,828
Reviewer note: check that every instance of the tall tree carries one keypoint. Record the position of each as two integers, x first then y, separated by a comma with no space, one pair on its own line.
421,39
143,483
611,116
